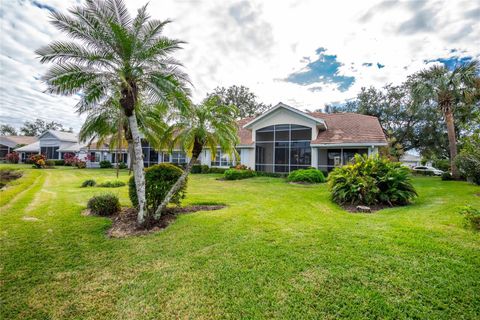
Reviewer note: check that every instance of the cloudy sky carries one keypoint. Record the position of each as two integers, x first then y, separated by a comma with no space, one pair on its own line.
305,53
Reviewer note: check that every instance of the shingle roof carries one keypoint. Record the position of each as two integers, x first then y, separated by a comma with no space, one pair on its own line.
349,128
62,136
32,147
13,141
342,128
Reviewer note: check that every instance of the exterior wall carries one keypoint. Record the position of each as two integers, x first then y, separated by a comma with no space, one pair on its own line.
48,140
247,157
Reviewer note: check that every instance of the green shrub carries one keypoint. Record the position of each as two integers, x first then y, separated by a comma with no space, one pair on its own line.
59,162
271,174
441,164
447,176
80,164
472,217
111,184
371,180
50,163
199,168
89,183
122,165
104,205
306,175
105,164
158,180
469,166
217,170
235,174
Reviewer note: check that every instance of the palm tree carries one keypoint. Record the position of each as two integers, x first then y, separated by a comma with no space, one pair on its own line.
114,56
210,124
448,90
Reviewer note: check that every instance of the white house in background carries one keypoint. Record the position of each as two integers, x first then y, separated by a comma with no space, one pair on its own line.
411,160
9,143
280,140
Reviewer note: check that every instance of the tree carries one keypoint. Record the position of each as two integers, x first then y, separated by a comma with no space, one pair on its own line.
449,91
210,124
242,98
115,58
7,130
39,126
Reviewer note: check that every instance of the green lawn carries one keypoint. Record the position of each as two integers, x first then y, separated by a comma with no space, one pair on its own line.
277,251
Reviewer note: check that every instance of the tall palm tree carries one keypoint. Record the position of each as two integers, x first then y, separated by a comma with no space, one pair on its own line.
449,90
210,124
112,56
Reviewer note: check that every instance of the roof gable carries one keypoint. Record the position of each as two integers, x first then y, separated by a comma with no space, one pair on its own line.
60,135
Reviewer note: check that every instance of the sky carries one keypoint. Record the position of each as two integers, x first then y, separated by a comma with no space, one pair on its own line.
304,53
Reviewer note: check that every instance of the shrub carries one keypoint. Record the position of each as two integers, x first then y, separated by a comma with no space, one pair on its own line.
69,159
105,164
12,157
38,160
80,164
50,163
469,166
306,175
241,167
235,174
122,165
112,184
89,183
59,162
158,180
472,217
217,170
271,174
441,164
196,168
447,176
371,180
104,205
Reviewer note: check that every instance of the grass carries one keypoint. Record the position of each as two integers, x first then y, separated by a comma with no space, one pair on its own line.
277,251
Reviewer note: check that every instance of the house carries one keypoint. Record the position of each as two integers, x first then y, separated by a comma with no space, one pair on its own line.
9,143
411,160
280,140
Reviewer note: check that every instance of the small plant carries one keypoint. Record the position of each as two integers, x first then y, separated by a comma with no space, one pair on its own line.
158,180
270,174
306,175
199,168
235,174
104,205
80,164
38,160
105,164
112,184
89,183
241,167
447,176
12,157
122,165
69,159
472,217
371,180
217,170
59,162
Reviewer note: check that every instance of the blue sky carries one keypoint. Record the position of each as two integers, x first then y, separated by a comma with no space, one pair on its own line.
306,53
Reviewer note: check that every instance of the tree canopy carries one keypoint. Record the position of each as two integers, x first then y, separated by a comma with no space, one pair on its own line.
241,97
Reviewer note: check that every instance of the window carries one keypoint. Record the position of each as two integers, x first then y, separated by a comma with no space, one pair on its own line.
288,148
50,152
221,159
122,157
179,157
150,156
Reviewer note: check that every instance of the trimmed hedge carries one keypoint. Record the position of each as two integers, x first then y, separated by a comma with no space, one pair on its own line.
104,205
217,170
371,180
306,175
89,183
235,174
105,164
112,184
199,168
158,180
59,162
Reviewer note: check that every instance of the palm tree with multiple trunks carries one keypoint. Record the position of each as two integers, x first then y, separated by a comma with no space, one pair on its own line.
114,57
210,124
449,90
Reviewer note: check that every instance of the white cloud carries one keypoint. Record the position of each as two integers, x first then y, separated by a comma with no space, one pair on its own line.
254,43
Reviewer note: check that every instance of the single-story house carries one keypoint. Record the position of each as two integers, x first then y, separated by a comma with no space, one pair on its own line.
280,140
412,160
9,143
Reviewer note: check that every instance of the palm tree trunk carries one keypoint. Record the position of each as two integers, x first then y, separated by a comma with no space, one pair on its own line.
138,172
197,150
452,140
175,188
131,155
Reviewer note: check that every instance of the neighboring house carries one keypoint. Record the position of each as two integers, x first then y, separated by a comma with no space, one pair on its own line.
280,140
412,160
8,143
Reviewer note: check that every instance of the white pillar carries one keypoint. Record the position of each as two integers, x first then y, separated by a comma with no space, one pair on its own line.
314,158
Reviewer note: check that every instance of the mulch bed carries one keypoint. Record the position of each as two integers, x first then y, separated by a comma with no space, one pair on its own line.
124,224
374,207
